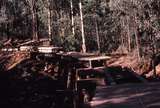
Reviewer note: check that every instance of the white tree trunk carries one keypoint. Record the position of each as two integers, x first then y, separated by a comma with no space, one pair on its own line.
82,28
49,21
34,26
72,18
97,35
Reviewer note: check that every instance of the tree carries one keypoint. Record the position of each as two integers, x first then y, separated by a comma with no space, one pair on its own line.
82,28
33,10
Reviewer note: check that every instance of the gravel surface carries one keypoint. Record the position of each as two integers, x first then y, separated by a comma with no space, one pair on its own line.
128,96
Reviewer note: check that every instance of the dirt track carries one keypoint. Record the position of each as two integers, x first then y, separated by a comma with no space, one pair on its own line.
128,96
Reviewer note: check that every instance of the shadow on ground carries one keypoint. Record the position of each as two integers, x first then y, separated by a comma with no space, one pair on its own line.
128,96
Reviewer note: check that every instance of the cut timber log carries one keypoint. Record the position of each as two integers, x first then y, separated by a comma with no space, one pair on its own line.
15,64
33,42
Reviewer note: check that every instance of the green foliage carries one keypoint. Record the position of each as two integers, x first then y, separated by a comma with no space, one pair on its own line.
69,43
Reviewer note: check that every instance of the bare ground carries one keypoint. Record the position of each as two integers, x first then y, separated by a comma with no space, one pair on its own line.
128,96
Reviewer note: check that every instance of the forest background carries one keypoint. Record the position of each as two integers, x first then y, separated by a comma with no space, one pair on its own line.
125,26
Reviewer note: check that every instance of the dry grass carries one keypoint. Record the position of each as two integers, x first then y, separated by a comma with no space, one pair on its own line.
131,61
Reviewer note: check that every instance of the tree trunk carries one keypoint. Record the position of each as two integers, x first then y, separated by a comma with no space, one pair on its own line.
137,43
153,62
129,37
33,10
62,29
82,28
34,25
154,51
72,18
136,37
97,35
49,22
122,34
7,31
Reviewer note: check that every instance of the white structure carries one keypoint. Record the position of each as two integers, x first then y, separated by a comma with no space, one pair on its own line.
9,49
50,49
26,48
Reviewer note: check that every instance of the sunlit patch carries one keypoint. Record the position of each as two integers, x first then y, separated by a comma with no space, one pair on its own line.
105,101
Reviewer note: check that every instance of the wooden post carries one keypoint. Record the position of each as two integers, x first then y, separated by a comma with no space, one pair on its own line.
82,28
